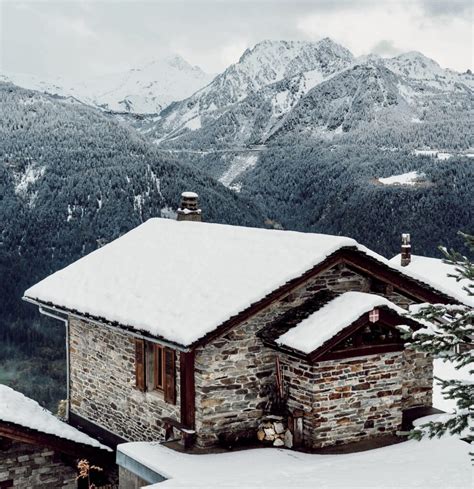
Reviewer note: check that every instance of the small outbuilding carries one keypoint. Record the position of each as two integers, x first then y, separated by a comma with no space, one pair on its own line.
38,450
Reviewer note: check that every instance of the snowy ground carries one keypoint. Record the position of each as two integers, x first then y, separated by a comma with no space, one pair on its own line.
429,464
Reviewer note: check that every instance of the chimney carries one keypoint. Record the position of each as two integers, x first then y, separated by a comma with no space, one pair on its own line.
188,210
406,250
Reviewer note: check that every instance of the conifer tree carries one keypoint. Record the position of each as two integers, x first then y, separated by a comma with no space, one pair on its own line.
450,338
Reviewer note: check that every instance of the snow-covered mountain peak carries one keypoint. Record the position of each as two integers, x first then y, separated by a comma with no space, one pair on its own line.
145,89
268,62
175,62
417,68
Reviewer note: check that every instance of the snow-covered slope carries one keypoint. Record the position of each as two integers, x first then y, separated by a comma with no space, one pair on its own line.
147,89
267,63
426,464
317,88
414,66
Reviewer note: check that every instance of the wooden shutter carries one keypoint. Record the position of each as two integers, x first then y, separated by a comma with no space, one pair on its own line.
140,380
170,381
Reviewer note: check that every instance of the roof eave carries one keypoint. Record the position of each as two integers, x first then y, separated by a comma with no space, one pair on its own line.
104,323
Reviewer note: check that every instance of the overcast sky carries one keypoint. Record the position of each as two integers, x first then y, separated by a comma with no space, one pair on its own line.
83,38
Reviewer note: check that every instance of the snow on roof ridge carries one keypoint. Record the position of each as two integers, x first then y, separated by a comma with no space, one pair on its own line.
333,317
18,409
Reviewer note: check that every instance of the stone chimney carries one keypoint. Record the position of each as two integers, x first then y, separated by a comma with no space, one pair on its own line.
189,209
406,250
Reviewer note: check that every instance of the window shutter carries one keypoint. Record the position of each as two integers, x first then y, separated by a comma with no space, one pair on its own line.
140,381
170,382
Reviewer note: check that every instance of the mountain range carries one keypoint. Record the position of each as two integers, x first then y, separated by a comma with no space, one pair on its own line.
317,89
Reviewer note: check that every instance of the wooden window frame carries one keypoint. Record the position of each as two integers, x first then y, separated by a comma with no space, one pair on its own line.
155,369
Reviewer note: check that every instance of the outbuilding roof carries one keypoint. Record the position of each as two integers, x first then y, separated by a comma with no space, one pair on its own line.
181,280
20,410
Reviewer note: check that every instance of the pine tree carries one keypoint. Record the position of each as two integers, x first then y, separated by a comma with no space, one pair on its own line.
450,338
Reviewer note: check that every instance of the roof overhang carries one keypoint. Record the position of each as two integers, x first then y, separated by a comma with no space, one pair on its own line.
62,313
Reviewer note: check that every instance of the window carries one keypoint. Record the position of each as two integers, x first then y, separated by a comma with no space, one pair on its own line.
155,369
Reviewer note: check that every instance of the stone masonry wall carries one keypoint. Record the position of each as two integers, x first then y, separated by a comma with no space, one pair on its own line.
349,400
417,379
31,466
102,384
231,370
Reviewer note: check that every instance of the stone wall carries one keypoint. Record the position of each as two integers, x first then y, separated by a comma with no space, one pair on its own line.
232,370
347,400
31,466
102,384
417,387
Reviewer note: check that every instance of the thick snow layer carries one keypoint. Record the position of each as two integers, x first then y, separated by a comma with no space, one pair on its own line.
180,280
428,464
435,271
410,178
21,410
332,318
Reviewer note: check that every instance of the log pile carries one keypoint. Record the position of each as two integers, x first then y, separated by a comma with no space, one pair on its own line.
272,430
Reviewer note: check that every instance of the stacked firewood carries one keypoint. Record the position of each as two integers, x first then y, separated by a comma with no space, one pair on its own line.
272,430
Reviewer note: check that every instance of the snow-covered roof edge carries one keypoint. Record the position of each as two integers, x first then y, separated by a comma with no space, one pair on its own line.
17,409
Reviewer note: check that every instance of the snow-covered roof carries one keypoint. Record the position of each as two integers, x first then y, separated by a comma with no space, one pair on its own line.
435,271
312,332
23,411
181,280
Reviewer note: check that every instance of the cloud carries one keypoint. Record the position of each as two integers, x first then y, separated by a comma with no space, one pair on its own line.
401,24
385,47
447,7
83,38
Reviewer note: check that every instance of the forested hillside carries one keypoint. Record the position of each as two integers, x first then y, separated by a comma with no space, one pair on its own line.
335,190
71,180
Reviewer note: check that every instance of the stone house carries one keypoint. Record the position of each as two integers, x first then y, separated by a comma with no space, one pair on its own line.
38,450
191,328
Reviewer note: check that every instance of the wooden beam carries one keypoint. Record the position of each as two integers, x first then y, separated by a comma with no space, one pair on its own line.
187,389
